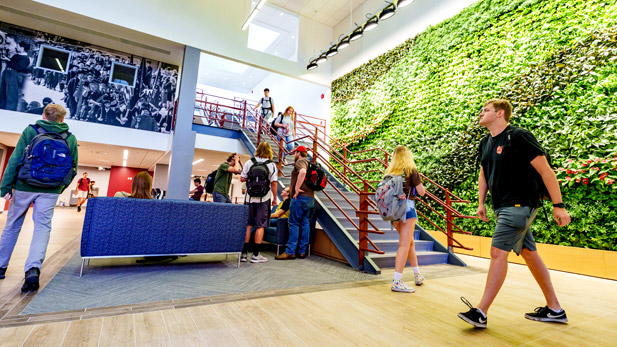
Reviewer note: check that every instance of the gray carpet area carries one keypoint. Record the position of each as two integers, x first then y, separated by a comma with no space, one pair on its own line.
111,282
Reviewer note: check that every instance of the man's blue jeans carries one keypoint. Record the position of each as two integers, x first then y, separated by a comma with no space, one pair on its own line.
299,224
42,212
218,197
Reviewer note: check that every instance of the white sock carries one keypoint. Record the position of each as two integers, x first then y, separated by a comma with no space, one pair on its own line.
483,314
557,311
416,269
397,276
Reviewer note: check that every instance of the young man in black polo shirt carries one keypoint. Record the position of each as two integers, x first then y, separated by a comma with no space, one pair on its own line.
510,158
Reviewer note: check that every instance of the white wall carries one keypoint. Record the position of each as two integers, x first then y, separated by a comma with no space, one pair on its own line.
16,122
101,179
219,144
212,26
305,97
406,23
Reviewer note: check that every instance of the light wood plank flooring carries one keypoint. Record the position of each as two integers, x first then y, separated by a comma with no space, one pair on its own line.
366,314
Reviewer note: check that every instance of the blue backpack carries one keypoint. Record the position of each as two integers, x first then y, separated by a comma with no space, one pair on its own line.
47,161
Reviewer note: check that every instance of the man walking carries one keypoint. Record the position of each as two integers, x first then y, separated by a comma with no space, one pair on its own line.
198,191
300,208
82,190
267,106
22,188
512,163
222,180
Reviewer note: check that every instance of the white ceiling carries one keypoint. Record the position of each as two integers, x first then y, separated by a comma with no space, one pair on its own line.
328,12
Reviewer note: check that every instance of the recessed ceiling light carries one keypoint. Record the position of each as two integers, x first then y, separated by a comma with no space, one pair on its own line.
276,52
126,154
280,13
293,36
124,163
198,161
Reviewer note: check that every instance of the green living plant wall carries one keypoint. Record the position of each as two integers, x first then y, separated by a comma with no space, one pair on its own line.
555,60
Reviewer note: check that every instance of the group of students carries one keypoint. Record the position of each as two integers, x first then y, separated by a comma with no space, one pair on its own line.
513,167
261,177
282,125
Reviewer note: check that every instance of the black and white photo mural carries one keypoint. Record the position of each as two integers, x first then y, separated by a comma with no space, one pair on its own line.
94,84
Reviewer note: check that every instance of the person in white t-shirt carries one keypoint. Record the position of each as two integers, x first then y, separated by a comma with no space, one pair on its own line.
260,175
267,106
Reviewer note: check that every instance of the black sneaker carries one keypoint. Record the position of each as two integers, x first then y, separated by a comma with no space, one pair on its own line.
473,316
32,280
2,272
545,314
78,208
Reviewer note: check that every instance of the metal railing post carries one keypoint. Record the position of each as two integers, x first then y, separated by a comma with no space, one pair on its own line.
281,144
259,132
345,166
386,159
449,221
315,145
244,116
363,218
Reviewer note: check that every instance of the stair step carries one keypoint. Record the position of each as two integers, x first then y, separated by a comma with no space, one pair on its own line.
387,235
389,246
424,258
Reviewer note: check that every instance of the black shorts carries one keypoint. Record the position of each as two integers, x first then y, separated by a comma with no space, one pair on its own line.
259,214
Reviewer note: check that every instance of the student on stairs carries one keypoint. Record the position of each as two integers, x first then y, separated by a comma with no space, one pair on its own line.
403,164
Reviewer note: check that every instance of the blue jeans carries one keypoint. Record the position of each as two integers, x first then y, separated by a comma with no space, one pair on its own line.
299,224
42,212
411,209
218,197
289,143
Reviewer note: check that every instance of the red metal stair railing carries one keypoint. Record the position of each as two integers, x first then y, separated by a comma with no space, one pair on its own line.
233,113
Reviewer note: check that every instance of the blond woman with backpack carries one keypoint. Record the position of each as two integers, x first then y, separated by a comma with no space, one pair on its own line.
402,164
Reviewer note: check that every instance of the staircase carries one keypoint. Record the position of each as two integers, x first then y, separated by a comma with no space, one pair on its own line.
343,233
337,222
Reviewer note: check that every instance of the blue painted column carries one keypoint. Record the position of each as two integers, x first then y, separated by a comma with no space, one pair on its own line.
182,142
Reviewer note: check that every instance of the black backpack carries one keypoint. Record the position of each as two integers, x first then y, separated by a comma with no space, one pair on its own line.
210,182
315,177
258,179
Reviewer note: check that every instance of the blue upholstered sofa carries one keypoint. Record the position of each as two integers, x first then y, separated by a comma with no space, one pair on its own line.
123,227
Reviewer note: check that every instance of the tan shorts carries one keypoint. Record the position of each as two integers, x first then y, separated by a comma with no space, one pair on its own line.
82,194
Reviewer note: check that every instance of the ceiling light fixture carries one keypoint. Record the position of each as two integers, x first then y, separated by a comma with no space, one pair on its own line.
126,154
403,3
355,33
372,23
253,14
387,13
344,43
358,33
124,163
198,161
312,65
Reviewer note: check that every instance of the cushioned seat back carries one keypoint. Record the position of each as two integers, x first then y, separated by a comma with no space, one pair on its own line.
124,226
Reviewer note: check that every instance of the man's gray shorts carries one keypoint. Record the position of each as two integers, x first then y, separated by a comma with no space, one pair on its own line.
513,229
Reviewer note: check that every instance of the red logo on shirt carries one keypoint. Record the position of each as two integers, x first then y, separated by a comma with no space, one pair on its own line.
499,149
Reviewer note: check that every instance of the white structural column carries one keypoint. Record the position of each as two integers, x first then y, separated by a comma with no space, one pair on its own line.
182,144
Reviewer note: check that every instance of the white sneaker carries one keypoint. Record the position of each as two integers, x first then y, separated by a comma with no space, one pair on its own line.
243,257
258,259
419,279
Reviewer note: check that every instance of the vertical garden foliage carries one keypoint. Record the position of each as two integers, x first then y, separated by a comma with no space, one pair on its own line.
555,60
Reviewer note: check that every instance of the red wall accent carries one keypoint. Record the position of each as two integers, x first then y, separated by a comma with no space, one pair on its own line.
9,151
121,179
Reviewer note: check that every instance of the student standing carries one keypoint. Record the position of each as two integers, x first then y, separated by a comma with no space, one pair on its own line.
511,161
403,164
222,180
22,194
300,208
261,185
82,190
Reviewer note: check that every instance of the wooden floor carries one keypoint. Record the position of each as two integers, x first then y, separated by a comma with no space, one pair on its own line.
366,314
